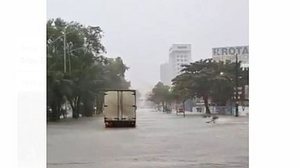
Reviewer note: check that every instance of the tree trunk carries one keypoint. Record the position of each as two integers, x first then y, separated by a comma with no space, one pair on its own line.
72,106
88,108
207,111
183,105
100,107
97,104
55,112
75,107
100,101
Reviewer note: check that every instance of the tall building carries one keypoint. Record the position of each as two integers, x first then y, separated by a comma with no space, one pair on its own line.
179,54
165,74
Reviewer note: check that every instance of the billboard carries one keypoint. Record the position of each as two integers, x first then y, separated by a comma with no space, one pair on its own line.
228,53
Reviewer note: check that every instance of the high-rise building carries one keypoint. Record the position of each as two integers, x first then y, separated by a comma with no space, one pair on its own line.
165,74
179,54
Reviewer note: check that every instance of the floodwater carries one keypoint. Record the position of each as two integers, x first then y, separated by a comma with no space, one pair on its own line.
160,140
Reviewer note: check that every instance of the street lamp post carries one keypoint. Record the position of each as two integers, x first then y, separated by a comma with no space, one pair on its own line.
236,87
65,46
232,82
65,62
65,52
70,53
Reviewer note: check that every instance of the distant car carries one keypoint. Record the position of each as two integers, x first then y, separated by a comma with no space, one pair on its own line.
180,110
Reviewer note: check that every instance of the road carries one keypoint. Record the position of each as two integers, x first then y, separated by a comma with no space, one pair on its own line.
160,140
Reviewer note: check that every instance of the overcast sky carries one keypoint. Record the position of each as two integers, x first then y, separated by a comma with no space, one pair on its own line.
142,31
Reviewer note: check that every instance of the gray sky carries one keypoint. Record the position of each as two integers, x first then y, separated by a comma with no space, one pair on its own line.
142,31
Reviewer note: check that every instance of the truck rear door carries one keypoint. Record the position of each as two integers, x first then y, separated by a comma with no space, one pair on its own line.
111,105
128,109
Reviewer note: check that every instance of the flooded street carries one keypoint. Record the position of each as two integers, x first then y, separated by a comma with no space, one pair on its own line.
160,140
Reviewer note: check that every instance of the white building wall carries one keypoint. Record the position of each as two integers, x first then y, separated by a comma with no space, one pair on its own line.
165,74
179,54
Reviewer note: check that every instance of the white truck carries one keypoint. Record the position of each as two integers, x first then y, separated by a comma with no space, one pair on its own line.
119,108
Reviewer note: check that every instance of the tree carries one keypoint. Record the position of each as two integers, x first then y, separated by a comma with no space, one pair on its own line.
115,74
55,96
88,72
198,78
204,79
161,95
78,79
181,91
113,78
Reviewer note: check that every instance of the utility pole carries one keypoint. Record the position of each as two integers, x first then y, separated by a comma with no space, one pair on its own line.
65,61
70,64
236,86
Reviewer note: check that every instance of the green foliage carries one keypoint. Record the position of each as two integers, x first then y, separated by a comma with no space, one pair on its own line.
209,79
161,94
88,72
115,74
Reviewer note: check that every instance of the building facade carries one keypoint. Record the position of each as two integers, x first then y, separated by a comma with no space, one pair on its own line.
179,54
165,76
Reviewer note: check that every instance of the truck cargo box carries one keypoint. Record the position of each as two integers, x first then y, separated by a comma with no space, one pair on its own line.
120,108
